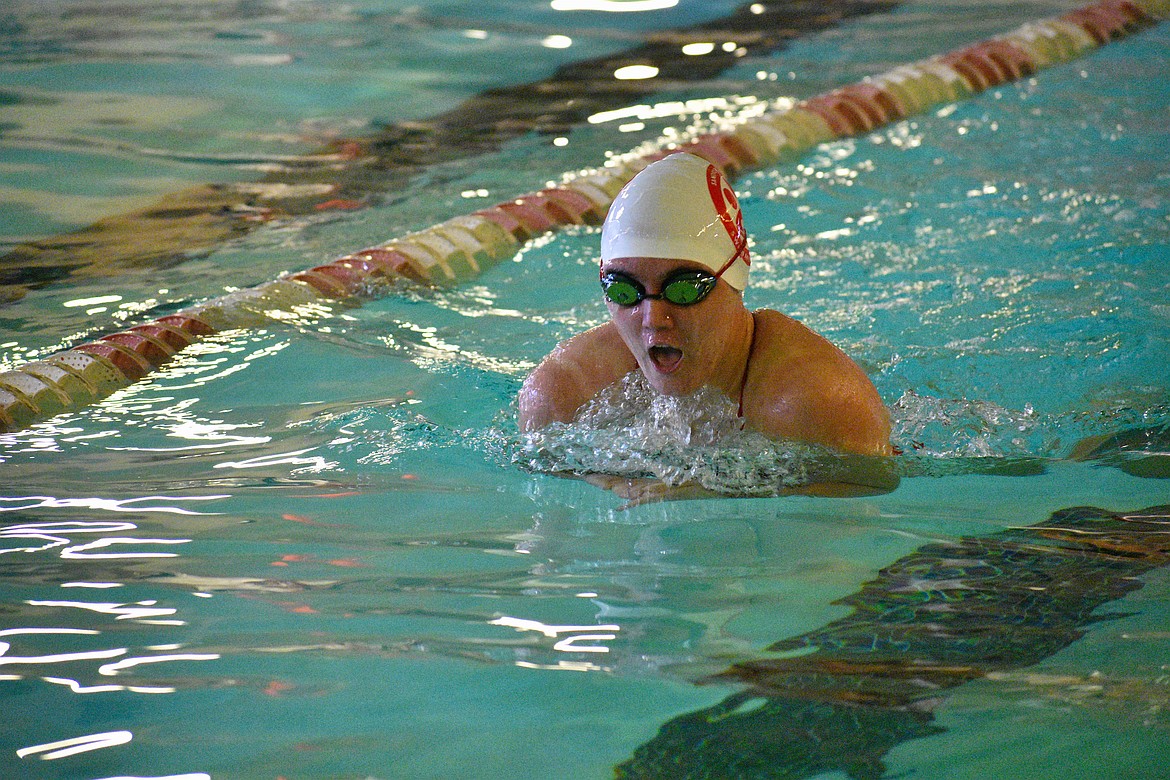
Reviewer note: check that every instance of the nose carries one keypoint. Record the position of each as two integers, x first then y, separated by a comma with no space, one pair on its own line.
656,314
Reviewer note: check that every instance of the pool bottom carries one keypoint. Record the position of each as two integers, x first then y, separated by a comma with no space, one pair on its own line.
841,697
355,630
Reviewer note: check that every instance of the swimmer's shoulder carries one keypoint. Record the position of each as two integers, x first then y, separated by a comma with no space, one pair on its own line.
802,386
575,371
598,354
787,344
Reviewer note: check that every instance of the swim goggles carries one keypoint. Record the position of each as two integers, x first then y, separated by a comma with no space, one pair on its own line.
682,288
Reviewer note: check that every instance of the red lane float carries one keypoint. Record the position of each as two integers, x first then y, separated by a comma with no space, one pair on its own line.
131,365
990,63
463,246
173,338
1108,20
858,108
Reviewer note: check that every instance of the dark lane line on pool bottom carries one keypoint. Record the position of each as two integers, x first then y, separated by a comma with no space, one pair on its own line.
945,615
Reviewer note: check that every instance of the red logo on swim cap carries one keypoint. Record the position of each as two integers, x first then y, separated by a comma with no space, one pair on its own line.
727,207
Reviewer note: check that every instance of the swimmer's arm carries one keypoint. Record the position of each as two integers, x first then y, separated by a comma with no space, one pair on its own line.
645,490
853,478
859,430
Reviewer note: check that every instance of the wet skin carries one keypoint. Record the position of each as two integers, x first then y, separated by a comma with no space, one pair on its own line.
795,384
790,382
682,348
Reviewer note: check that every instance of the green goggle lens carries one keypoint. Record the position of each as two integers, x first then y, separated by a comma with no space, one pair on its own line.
684,292
621,292
681,289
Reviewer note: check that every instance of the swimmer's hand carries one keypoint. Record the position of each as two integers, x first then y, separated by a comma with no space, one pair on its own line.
643,490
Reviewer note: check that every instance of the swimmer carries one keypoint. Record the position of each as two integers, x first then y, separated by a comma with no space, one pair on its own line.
674,264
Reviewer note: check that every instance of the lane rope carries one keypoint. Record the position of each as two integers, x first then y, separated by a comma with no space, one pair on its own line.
464,246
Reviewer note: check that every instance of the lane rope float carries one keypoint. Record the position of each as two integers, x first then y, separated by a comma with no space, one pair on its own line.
462,247
353,171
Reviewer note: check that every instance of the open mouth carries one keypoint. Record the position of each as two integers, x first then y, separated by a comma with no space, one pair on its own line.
665,359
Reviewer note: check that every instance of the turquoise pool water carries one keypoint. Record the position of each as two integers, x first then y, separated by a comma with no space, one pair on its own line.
309,551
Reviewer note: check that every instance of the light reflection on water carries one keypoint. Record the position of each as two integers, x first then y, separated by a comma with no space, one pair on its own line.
22,503
360,514
35,649
70,747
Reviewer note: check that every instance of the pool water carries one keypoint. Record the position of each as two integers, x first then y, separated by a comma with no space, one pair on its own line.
314,550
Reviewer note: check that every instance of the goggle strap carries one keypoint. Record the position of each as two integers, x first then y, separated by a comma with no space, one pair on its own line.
742,250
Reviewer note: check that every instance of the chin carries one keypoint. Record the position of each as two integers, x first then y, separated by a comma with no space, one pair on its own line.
671,384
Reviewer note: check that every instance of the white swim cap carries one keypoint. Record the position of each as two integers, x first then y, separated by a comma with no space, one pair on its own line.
679,208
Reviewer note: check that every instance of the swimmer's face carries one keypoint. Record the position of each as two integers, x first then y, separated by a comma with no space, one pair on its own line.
678,348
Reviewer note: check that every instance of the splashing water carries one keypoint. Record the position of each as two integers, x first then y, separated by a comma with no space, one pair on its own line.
631,430
949,428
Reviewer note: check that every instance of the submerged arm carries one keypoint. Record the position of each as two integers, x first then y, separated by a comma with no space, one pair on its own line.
849,476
